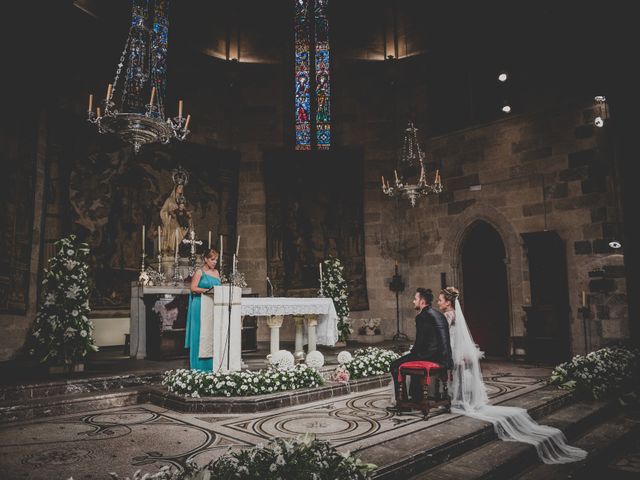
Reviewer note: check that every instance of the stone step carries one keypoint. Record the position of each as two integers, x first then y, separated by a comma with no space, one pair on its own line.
497,459
454,436
71,403
70,386
602,442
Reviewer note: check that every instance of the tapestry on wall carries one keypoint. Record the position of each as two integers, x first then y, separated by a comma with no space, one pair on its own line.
16,216
314,210
113,194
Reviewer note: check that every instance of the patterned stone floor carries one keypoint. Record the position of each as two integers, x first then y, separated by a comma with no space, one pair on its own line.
125,439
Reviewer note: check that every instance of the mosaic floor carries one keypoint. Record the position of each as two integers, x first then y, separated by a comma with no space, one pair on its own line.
125,439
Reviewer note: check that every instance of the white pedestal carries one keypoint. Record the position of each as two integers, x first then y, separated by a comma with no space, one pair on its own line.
275,322
220,311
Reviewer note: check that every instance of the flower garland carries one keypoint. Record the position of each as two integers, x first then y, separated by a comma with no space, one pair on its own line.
62,331
303,458
334,286
198,383
605,372
369,361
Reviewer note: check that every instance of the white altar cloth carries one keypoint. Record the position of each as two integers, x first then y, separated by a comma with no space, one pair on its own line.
327,329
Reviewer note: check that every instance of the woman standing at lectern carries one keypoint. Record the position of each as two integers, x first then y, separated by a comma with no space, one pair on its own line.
203,279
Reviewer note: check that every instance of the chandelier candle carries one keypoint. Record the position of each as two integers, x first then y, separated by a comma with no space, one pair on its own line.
180,109
109,91
91,102
153,95
186,124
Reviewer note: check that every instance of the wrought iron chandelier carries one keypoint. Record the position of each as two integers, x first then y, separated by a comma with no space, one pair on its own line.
123,111
411,167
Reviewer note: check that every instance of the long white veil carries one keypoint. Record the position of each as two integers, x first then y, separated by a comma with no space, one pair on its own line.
469,397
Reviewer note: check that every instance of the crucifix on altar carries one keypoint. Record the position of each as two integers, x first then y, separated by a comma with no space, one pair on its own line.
192,252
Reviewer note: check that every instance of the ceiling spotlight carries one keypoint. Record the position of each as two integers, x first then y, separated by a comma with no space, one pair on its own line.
503,76
615,244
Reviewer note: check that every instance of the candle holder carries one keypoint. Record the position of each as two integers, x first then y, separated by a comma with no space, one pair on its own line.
143,278
177,277
397,286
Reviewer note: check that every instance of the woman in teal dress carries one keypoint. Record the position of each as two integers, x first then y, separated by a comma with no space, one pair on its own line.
202,281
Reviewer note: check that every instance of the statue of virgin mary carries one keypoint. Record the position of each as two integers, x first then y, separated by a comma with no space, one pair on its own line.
175,214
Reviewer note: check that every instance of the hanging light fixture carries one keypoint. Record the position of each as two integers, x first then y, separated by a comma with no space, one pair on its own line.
124,112
411,166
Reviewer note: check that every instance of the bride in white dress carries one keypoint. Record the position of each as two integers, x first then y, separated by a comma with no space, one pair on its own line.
469,395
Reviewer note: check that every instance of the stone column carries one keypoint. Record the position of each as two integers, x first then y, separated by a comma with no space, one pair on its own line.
312,323
275,322
299,348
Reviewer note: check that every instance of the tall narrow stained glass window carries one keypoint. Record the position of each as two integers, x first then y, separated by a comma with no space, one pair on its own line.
312,114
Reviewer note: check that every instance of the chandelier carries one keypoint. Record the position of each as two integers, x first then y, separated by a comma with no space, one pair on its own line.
411,167
123,111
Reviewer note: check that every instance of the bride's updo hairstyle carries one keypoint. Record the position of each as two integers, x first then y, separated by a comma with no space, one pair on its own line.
450,294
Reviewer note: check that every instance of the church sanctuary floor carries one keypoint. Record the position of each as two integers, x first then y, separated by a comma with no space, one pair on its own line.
88,440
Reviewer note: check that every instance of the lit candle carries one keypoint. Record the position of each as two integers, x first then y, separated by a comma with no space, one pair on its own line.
209,239
238,245
584,299
91,102
186,124
143,231
159,241
179,108
109,90
153,95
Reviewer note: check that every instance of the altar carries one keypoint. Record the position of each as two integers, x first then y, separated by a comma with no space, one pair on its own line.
316,319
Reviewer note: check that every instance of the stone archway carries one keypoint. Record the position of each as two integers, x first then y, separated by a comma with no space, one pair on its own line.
517,287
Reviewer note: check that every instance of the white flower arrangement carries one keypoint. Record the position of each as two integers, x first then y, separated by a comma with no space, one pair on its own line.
304,457
197,383
282,359
62,332
315,359
370,361
335,287
605,372
344,357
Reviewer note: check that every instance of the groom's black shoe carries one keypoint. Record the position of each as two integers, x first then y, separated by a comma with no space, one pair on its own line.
397,410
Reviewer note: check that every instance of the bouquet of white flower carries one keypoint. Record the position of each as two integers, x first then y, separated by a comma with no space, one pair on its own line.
62,331
370,361
334,286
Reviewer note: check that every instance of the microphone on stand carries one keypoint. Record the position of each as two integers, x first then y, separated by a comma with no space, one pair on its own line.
269,284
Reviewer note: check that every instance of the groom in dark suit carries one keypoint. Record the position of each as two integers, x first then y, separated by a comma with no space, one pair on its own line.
432,340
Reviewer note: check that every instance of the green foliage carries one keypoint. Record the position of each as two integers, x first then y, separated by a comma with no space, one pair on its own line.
197,383
606,372
334,286
304,458
62,331
370,361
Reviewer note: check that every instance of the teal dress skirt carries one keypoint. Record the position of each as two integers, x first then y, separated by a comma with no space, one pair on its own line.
192,338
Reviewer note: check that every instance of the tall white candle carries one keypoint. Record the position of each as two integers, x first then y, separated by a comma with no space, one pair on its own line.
176,252
209,239
221,250
238,245
159,241
234,263
320,267
143,230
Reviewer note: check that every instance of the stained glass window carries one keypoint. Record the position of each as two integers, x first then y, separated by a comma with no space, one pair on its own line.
159,40
323,112
312,74
303,93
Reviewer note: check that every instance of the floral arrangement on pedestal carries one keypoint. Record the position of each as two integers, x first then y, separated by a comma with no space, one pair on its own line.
198,383
606,372
367,362
370,326
62,331
334,286
302,458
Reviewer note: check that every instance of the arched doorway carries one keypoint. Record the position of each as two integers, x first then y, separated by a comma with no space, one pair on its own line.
485,289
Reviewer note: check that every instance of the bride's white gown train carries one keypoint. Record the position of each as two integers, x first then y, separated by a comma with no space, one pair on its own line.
469,397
